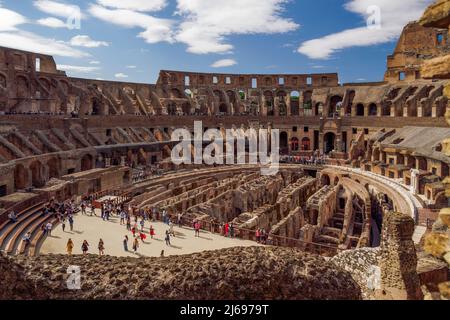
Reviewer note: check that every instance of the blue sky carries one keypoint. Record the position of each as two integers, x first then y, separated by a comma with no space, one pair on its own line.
131,40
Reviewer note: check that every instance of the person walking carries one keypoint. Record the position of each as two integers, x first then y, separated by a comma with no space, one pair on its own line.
71,222
135,245
129,223
49,228
63,225
197,229
168,239
85,247
125,243
101,247
152,232
226,229
179,219
122,217
69,247
142,223
83,207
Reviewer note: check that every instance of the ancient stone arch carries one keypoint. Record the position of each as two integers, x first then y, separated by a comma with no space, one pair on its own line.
348,106
294,144
186,107
20,177
333,106
329,142
22,87
87,162
54,168
373,109
223,108
269,98
325,180
306,144
295,103
37,174
359,110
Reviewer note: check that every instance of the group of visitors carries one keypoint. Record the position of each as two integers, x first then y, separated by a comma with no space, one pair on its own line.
85,247
261,236
227,230
305,160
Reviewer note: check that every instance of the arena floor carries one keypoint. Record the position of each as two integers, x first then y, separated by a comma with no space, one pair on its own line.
93,228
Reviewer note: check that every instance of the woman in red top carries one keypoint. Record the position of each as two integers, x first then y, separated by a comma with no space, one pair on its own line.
227,228
152,231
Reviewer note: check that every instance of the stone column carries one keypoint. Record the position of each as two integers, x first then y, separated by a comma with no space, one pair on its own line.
321,143
338,143
288,105
276,106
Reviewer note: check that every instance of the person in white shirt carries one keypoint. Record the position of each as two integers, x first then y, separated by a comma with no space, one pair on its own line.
26,238
12,216
49,228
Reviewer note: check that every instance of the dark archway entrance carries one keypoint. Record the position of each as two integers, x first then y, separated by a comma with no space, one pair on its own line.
87,163
284,147
328,142
20,177
96,108
37,175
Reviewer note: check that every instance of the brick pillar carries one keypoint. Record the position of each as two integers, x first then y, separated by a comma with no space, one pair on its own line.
398,261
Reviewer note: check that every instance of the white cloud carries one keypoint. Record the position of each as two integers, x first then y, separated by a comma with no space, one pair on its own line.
135,5
86,41
224,63
59,9
131,67
77,69
155,29
10,19
31,42
203,25
52,22
394,16
207,23
94,62
120,76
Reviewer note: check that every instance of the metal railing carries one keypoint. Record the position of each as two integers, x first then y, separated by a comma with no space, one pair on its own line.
248,234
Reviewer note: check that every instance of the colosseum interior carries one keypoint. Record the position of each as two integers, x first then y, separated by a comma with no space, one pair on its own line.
360,191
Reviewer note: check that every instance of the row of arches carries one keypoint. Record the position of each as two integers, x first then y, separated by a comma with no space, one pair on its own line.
305,144
38,172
